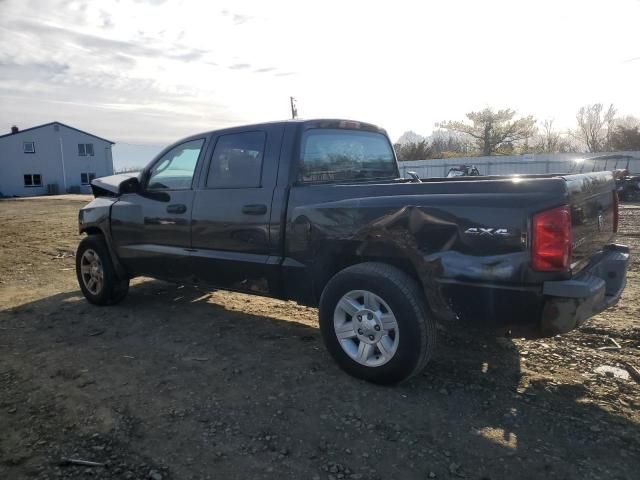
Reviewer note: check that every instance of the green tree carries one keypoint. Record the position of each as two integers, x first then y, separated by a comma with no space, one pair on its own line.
625,138
495,132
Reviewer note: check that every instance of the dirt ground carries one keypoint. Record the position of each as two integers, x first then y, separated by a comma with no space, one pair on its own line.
178,382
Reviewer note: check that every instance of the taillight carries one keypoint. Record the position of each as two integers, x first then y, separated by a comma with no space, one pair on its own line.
616,211
551,243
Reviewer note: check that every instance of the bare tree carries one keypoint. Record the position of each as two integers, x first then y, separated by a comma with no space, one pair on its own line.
567,144
494,131
595,126
419,150
548,140
447,144
440,144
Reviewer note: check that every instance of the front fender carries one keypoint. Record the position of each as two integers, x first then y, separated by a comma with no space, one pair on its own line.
95,218
95,214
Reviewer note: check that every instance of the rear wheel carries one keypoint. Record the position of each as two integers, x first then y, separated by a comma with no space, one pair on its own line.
375,323
96,275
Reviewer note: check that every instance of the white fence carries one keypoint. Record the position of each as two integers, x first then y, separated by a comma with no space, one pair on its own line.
529,163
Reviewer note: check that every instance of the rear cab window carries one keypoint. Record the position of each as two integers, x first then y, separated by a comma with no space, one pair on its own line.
342,155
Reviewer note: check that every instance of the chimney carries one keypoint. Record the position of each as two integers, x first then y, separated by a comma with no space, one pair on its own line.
14,129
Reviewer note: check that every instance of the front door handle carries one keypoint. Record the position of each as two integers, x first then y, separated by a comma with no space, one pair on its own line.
257,209
177,208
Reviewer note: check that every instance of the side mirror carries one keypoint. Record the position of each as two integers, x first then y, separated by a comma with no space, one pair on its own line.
130,185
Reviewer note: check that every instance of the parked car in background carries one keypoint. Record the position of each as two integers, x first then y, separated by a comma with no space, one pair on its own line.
463,171
628,186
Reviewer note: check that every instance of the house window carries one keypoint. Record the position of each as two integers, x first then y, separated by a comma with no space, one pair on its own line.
32,180
29,147
85,178
85,149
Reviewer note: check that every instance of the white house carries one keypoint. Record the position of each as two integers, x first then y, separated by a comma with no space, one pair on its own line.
52,158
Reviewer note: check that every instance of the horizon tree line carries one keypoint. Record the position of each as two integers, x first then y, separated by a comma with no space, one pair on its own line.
500,132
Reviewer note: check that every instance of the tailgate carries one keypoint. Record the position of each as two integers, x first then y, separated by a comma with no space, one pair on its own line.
591,197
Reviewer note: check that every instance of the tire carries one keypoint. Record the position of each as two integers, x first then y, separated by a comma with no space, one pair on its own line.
398,354
93,258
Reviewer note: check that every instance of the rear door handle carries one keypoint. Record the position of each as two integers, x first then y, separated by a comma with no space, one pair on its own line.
177,208
257,209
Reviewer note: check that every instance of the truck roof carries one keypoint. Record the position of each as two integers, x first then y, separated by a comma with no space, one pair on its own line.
306,124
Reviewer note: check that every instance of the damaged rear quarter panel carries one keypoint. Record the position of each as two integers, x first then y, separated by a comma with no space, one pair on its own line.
429,230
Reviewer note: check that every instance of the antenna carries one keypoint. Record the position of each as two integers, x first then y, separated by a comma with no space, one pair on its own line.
294,108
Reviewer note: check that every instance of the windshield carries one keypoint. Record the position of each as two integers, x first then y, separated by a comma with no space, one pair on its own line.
342,155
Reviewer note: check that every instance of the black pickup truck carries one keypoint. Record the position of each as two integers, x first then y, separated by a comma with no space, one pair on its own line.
315,211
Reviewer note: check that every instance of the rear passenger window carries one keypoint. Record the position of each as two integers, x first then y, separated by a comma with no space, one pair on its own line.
237,161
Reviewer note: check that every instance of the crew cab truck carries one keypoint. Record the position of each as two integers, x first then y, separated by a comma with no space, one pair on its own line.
315,211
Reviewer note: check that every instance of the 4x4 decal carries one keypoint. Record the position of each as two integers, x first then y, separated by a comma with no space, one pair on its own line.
502,232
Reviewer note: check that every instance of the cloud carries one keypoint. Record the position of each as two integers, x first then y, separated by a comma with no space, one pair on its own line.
151,2
32,70
121,59
239,19
236,18
107,22
101,44
187,55
136,71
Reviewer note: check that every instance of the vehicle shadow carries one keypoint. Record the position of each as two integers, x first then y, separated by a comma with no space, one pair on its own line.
199,381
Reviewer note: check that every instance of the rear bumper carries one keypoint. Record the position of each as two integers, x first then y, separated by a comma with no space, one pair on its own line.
545,309
569,303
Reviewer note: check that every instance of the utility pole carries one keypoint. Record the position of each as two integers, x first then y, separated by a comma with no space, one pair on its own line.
294,108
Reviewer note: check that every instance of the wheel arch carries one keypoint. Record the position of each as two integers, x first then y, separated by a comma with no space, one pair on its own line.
98,229
93,230
331,263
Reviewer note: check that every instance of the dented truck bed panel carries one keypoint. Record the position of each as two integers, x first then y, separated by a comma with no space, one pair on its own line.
457,236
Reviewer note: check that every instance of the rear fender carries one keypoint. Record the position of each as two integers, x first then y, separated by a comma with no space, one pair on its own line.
391,239
388,239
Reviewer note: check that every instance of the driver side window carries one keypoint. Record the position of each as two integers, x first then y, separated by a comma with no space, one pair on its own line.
174,171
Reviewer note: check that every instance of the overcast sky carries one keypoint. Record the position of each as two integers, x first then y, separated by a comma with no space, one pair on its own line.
153,71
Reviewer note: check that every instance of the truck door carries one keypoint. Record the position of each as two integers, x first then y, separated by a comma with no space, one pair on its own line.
232,246
151,228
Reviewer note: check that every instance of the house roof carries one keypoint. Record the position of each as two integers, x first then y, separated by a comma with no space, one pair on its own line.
56,123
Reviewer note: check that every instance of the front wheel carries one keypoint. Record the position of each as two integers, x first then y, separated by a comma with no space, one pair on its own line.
375,323
96,275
